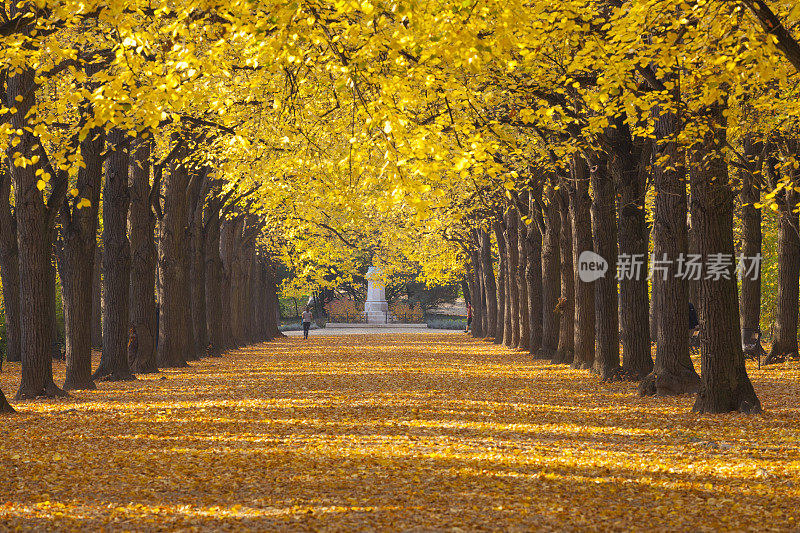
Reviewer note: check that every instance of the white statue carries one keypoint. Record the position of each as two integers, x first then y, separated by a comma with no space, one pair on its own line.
376,308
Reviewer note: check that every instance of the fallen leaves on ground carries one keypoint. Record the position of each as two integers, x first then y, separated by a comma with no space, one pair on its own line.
402,432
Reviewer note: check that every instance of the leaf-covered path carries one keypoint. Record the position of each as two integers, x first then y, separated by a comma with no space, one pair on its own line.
399,433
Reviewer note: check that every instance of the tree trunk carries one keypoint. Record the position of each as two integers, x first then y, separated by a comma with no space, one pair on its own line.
79,243
172,335
580,216
237,283
476,294
522,282
226,252
213,278
116,262
501,283
551,281
604,236
97,305
655,305
197,271
273,312
750,296
9,266
512,247
5,407
784,334
566,305
141,227
725,384
629,164
52,306
673,372
533,273
489,283
34,236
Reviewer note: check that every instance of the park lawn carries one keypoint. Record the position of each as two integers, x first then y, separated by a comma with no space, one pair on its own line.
404,433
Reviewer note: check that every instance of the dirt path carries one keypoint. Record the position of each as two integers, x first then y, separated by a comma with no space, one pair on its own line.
394,433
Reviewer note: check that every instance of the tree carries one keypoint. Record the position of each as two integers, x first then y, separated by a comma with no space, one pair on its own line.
141,231
725,384
9,265
77,254
784,335
172,334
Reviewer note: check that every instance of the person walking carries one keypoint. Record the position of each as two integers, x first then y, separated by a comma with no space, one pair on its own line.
307,317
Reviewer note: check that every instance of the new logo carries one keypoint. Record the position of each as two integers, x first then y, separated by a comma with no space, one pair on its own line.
591,266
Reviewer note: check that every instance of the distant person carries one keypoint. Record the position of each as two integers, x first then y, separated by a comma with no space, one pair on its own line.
307,318
469,318
693,321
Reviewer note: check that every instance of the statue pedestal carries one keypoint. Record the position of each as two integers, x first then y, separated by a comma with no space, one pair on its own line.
376,308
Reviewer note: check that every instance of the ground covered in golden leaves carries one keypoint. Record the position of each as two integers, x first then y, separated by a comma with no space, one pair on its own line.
400,433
